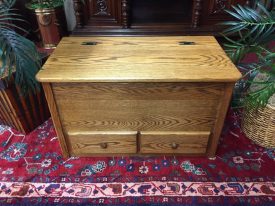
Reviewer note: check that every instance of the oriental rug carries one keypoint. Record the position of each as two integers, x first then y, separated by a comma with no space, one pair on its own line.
33,172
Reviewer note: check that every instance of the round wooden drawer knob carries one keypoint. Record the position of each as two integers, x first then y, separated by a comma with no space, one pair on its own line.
175,145
104,145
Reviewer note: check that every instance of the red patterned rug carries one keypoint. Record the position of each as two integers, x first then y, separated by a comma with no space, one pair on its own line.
33,172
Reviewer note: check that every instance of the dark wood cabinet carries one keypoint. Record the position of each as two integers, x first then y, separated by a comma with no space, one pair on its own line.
159,11
105,13
213,10
151,16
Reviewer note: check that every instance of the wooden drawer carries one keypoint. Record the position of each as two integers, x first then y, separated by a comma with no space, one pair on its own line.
103,143
174,142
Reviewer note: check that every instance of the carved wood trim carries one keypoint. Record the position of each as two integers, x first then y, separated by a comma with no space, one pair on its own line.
82,12
119,13
197,7
219,6
102,8
125,13
78,13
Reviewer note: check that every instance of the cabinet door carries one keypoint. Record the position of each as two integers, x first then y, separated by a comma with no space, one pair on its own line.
213,10
105,13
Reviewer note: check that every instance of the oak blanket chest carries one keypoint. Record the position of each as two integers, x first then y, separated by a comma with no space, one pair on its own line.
138,95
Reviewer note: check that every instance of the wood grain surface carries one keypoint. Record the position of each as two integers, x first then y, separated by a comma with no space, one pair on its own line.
221,114
137,106
102,142
154,142
139,59
55,117
143,95
140,91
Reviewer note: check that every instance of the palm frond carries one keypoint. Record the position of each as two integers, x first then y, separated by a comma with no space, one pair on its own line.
253,28
260,97
255,23
7,4
16,52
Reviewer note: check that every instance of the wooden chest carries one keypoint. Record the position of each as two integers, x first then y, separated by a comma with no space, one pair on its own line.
138,95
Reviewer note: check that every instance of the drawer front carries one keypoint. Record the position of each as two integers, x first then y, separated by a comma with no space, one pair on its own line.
174,142
103,143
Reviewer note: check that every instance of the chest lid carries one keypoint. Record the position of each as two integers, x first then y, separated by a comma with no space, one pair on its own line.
139,59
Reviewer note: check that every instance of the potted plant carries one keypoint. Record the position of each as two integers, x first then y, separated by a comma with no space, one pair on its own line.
20,95
51,20
253,31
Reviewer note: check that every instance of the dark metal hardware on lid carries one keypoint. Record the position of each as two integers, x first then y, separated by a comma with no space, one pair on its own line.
186,43
89,43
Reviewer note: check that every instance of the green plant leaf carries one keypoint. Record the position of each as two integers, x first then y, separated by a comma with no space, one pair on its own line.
260,97
254,29
234,29
17,53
